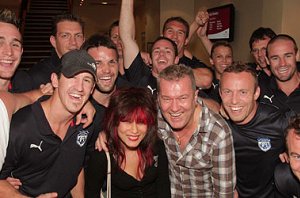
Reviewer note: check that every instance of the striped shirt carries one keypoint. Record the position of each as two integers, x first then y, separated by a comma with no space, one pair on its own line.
206,167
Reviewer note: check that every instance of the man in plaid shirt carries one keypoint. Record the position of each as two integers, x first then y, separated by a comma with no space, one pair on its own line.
197,140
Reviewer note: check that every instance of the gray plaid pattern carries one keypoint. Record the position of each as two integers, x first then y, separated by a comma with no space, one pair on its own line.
206,168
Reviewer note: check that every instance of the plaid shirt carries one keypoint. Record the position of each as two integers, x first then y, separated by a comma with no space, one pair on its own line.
206,168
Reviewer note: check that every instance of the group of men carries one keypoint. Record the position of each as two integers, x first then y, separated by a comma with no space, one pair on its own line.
208,155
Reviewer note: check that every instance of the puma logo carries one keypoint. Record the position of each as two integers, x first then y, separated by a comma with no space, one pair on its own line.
214,85
152,90
37,146
269,98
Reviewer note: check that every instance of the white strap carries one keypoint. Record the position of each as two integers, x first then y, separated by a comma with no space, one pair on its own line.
108,181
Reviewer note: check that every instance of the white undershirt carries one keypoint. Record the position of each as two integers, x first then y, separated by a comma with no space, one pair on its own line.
4,132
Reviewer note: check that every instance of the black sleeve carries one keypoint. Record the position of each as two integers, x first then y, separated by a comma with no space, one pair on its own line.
21,82
163,181
137,71
95,174
286,183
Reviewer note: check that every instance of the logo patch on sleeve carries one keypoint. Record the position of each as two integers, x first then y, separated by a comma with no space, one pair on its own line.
82,137
264,144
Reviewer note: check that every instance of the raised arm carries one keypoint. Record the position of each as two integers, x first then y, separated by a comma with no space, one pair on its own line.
127,32
201,22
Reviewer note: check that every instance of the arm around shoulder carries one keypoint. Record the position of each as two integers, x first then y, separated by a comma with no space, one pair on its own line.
223,159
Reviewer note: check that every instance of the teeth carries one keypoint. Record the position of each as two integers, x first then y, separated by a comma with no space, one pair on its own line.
162,61
105,78
236,108
76,96
6,61
282,69
175,114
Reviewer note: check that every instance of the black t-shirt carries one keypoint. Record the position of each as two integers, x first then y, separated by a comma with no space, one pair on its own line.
20,82
257,146
140,75
155,182
213,91
286,182
39,158
273,95
193,63
40,73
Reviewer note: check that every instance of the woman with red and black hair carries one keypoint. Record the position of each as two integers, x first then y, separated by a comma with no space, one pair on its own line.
138,158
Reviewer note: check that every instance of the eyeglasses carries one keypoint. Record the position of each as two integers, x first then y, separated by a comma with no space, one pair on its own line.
256,51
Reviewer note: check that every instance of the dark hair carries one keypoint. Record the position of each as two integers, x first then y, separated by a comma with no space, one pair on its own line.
65,16
282,37
239,68
294,123
128,105
261,34
218,44
8,16
114,24
180,20
176,72
167,39
97,40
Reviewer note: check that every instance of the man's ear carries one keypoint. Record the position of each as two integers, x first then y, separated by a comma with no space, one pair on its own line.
92,90
257,93
186,42
297,55
176,61
196,95
54,80
211,61
53,41
267,60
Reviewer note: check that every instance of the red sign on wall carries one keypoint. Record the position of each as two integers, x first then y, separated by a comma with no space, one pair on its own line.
221,23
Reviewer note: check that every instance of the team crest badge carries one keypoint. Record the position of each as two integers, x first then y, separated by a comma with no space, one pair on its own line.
82,137
264,144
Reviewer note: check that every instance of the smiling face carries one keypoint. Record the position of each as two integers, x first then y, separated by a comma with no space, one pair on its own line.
163,55
115,37
75,91
10,50
259,48
282,58
176,31
107,67
131,134
293,144
69,37
221,58
177,102
239,96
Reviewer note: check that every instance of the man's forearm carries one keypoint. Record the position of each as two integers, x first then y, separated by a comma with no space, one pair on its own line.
8,191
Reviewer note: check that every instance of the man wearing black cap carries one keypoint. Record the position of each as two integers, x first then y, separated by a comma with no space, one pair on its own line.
46,150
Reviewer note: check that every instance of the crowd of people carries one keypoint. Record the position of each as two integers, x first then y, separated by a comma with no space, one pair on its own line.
167,124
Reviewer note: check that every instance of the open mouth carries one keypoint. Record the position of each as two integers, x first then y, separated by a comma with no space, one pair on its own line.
6,63
76,97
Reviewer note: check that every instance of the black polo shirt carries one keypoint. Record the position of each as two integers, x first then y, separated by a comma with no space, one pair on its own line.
39,158
273,95
257,146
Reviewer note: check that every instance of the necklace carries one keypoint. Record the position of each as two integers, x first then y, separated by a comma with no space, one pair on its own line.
178,138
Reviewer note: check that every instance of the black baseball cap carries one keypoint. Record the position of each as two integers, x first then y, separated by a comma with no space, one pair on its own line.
77,61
